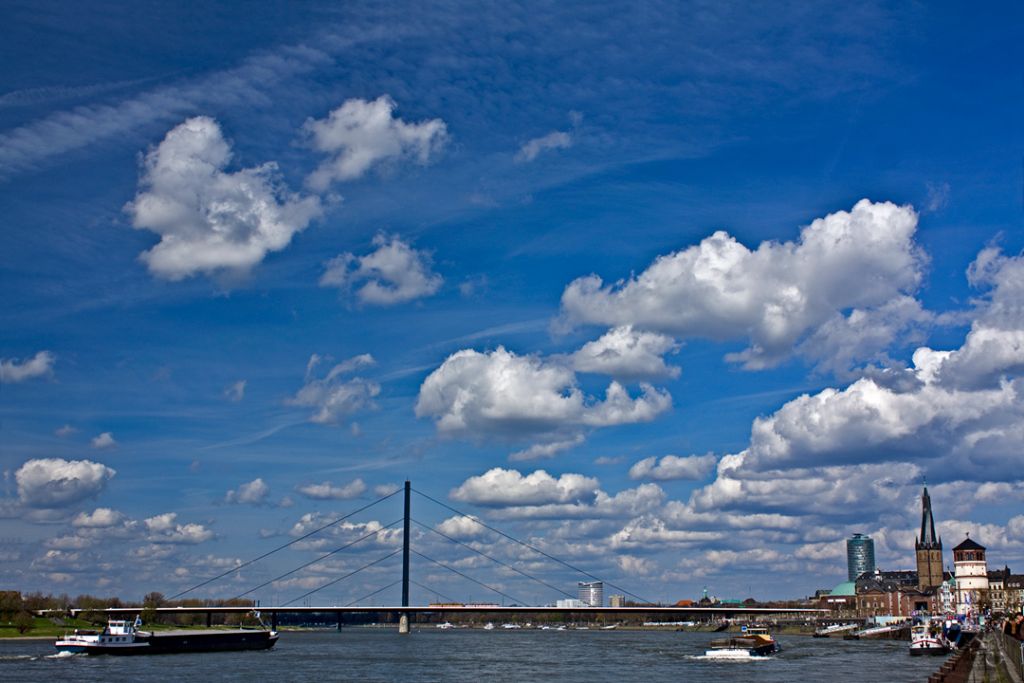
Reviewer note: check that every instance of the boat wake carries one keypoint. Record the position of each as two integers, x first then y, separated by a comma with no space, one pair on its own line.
66,655
16,658
728,658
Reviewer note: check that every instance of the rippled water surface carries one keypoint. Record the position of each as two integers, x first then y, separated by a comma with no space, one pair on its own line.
476,655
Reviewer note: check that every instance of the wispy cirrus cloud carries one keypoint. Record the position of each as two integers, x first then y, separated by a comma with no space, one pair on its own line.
533,148
36,143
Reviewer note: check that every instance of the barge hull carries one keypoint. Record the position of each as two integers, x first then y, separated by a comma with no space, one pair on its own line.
180,642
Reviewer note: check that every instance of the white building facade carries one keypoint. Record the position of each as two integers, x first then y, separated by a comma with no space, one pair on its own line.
971,570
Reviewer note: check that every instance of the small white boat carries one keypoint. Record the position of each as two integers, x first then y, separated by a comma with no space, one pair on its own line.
445,625
510,626
754,641
488,626
927,639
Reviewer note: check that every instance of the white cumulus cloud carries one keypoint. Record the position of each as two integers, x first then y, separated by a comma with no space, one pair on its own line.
361,134
461,527
509,487
626,353
671,467
104,440
100,518
994,347
328,491
166,529
333,396
13,370
393,274
210,220
501,393
254,492
624,504
382,490
772,296
57,483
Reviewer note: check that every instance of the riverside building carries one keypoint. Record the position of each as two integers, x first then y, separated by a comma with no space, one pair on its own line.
971,571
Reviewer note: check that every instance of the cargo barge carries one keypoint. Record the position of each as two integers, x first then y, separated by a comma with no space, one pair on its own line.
126,638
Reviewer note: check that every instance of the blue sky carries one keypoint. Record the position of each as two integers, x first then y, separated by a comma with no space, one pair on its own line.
685,293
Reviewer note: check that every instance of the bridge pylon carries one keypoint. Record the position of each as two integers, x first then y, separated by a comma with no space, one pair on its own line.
403,618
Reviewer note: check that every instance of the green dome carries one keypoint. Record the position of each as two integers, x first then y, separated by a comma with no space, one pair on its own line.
845,589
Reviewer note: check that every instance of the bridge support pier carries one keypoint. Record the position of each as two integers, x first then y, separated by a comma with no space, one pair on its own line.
339,621
403,623
273,621
209,619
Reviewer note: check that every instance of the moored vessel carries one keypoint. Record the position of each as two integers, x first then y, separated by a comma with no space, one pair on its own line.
834,630
927,638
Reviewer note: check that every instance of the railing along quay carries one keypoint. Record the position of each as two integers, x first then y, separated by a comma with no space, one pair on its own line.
957,669
1012,653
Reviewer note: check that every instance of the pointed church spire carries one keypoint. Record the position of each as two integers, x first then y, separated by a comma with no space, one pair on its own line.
927,520
928,548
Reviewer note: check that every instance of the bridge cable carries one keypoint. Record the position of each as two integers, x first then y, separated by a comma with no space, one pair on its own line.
322,557
431,590
282,547
370,595
533,548
456,571
342,578
494,559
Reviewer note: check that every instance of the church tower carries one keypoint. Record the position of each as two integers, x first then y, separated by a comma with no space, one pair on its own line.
929,549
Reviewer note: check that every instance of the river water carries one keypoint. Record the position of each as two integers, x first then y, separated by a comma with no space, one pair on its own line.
365,654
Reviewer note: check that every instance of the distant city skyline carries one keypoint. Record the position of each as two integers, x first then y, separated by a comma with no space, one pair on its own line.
682,294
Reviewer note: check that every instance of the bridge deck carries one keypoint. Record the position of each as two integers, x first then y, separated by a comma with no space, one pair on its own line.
418,609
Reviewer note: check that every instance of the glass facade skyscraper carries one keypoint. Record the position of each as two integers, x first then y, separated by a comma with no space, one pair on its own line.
860,555
591,593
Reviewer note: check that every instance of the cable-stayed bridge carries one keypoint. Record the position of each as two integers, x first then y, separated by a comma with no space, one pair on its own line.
404,611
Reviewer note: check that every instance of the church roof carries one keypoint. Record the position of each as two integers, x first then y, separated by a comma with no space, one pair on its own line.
968,544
